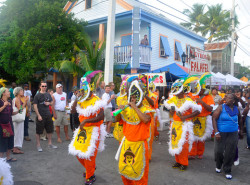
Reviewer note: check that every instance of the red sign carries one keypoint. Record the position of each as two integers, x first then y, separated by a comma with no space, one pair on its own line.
200,61
198,67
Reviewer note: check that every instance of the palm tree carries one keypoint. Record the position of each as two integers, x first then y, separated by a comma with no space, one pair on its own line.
89,59
195,16
216,23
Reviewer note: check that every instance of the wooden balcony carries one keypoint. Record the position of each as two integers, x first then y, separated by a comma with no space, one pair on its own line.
123,54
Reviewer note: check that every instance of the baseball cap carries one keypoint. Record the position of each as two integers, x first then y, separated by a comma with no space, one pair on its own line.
58,85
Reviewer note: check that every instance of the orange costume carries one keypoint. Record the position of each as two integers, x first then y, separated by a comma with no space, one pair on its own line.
153,126
181,133
88,141
133,151
137,133
202,127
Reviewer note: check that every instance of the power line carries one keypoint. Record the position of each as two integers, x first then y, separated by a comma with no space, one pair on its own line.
185,4
79,3
164,12
243,9
91,6
172,8
243,49
244,34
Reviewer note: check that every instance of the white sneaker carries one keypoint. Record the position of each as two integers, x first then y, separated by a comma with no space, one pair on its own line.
52,146
111,135
218,170
229,176
236,163
39,149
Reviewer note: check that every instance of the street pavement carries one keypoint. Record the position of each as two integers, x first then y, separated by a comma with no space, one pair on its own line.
57,167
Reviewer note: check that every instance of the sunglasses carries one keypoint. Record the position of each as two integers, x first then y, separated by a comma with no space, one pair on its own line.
44,86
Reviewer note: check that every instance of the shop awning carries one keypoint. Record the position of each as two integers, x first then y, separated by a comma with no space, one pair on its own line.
166,46
179,48
174,69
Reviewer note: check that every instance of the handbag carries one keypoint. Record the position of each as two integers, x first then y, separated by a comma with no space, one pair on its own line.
7,130
19,117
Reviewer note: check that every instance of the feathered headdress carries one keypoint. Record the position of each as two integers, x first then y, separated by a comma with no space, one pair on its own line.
177,86
123,86
187,81
86,85
201,83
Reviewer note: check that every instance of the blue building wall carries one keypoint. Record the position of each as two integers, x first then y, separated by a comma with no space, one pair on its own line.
156,31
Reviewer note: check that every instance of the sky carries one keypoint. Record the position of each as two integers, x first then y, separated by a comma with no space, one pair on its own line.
242,8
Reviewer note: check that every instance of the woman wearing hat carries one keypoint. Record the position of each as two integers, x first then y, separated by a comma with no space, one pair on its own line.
6,126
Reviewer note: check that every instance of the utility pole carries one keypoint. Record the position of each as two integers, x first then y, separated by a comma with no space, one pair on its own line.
232,37
109,59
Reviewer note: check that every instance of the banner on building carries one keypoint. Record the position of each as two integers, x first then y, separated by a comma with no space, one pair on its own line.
200,61
161,80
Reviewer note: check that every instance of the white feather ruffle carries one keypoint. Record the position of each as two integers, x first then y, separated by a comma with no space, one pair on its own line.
187,105
103,134
92,109
187,130
158,114
5,172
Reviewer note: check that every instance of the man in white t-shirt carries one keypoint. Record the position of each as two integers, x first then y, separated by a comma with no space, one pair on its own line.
108,109
60,102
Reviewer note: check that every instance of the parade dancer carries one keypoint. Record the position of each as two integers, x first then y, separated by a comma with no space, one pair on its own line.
203,122
183,110
153,102
122,99
133,151
155,96
89,138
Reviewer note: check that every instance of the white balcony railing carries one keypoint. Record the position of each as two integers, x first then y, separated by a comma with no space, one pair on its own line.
123,54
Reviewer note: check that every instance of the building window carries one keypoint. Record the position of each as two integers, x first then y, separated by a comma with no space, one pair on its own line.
88,4
165,50
177,50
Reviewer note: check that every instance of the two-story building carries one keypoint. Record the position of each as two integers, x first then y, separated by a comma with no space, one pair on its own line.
161,41
221,57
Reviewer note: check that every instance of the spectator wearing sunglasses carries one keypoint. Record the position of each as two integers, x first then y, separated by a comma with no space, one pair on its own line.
42,101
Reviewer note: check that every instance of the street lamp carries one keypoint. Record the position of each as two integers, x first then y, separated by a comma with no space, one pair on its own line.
183,58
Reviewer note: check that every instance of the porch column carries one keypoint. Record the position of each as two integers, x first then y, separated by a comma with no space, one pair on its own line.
109,58
135,62
101,34
54,80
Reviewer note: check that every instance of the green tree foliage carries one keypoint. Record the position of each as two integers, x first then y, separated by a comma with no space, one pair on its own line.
89,59
34,34
195,16
214,23
244,71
